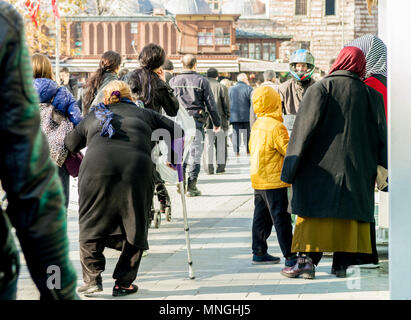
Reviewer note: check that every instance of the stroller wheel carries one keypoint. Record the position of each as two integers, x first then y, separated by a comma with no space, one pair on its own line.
157,219
168,214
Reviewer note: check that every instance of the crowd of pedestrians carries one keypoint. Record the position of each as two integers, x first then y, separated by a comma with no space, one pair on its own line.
314,149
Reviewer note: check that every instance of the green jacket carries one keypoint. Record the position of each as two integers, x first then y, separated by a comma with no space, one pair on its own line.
34,191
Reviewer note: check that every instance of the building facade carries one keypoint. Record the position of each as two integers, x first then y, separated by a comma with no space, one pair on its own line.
254,35
322,26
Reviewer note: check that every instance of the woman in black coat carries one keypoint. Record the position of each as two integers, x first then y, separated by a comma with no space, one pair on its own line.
149,85
115,184
339,139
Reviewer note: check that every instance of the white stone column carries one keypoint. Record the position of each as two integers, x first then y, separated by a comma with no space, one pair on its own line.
383,209
123,38
399,115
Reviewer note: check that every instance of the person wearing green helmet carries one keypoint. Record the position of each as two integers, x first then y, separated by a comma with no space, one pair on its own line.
292,91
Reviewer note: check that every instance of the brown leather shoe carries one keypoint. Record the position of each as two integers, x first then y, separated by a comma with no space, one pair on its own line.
304,266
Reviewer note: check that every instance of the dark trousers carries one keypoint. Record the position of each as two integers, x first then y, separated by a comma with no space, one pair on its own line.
242,128
341,260
271,209
65,181
93,261
364,258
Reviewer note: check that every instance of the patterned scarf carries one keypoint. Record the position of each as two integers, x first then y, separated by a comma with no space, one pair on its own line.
375,52
105,116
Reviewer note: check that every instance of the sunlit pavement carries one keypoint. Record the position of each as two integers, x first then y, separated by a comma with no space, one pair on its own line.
220,232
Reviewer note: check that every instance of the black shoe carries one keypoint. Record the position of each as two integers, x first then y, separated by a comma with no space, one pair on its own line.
90,289
192,190
210,169
342,273
265,259
220,169
119,291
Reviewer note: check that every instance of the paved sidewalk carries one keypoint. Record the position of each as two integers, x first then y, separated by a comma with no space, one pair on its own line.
220,232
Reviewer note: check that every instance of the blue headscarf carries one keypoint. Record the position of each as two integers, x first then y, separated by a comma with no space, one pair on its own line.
105,115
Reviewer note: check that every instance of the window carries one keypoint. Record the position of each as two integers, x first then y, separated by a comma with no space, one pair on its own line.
329,7
251,50
214,5
205,38
258,51
134,28
300,7
210,37
244,50
261,51
227,37
272,52
219,36
266,51
222,37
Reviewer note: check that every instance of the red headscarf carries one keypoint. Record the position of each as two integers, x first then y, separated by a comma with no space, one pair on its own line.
350,59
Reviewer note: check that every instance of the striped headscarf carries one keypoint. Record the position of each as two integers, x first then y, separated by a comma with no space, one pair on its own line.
375,52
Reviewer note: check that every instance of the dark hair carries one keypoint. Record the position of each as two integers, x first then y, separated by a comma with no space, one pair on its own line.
212,73
168,65
152,56
64,69
109,62
143,81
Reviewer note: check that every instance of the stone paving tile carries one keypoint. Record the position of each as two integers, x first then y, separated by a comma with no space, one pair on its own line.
220,235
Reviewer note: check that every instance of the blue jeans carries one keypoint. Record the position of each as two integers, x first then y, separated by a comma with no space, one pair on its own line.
196,152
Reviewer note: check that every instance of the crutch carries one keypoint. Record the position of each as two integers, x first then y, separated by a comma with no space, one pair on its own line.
178,146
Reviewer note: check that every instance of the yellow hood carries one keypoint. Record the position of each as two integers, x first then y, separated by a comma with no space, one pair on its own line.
267,102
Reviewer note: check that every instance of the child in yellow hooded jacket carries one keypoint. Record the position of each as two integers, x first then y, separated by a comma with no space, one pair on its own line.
268,145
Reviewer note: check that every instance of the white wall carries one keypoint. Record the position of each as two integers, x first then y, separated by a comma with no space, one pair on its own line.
399,114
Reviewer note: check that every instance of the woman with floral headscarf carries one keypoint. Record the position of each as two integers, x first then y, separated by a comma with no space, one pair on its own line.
339,139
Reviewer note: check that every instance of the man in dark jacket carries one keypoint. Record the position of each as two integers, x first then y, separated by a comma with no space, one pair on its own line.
194,93
240,102
168,68
219,140
70,83
34,191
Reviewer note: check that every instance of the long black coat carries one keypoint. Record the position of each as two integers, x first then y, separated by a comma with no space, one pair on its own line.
115,178
339,138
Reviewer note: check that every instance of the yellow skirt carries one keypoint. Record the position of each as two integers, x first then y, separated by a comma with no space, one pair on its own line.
331,235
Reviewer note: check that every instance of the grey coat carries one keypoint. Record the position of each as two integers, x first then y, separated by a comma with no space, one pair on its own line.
339,138
220,93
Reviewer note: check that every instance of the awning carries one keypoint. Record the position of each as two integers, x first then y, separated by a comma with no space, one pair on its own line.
232,65
252,65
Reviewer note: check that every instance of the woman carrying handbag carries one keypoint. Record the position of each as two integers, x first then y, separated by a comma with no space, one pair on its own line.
59,115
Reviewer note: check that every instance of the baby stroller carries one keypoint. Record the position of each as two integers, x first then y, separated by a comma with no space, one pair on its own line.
162,205
163,174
